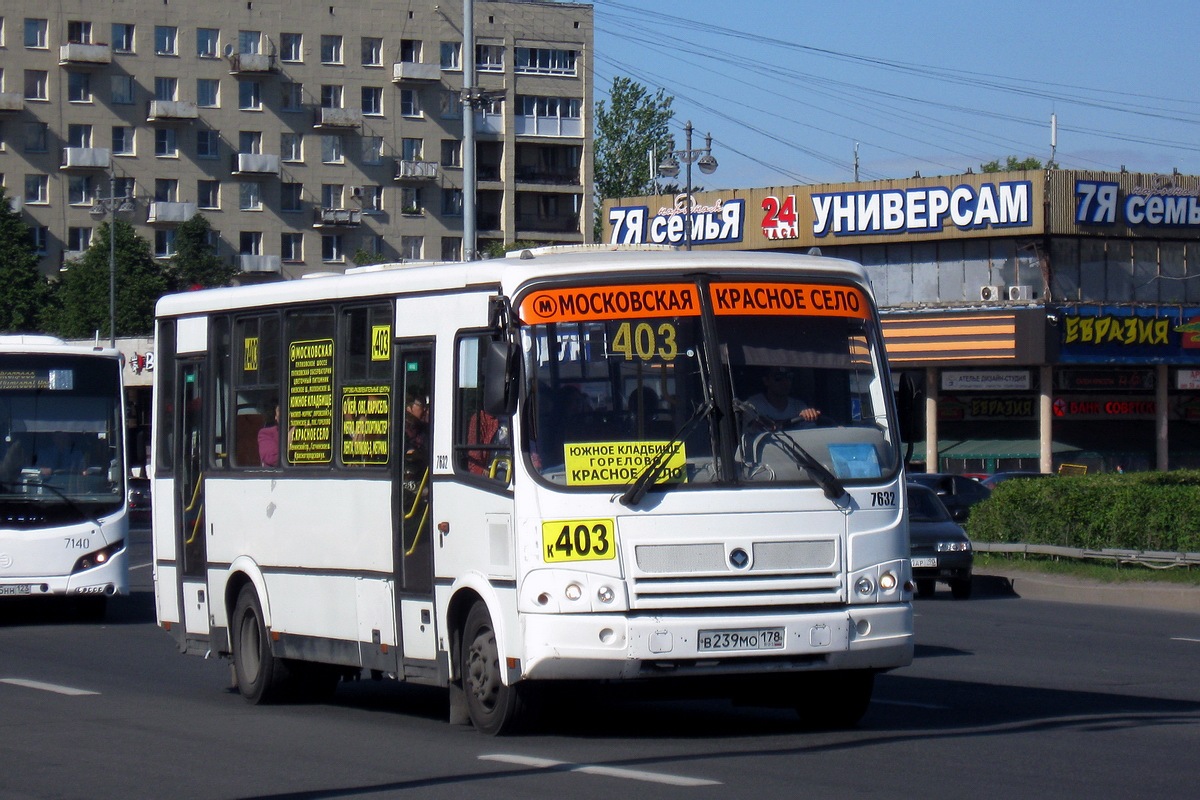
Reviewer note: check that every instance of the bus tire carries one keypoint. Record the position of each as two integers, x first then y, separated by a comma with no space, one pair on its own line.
260,675
493,707
835,700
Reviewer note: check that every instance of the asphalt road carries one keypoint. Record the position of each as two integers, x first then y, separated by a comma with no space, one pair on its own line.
1008,697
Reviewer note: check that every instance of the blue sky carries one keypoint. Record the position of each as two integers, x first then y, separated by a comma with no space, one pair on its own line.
787,88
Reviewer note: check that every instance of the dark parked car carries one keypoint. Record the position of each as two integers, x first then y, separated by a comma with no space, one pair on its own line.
991,480
139,500
940,548
957,492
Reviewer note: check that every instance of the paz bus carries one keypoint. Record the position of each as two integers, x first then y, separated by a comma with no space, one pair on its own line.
63,524
501,475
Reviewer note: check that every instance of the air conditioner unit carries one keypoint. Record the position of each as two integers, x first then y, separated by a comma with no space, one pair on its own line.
356,191
1021,292
989,293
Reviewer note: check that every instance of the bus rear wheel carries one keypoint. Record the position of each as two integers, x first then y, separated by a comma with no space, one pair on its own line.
260,675
494,708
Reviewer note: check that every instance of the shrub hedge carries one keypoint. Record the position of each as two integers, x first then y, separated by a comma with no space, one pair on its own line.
1135,511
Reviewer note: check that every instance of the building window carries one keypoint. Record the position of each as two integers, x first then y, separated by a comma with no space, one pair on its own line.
544,61
78,239
331,49
372,199
37,189
331,195
41,238
452,202
165,40
410,103
124,187
291,47
290,196
208,144
331,248
208,92
451,248
164,143
410,200
290,147
80,191
79,87
412,248
208,42
250,142
451,104
36,84
122,90
410,51
451,152
164,243
250,243
249,96
166,89
372,51
250,43
291,96
79,135
372,100
331,95
331,149
79,31
37,135
122,37
249,196
411,149
372,150
166,190
291,247
489,57
35,33
451,56
122,140
208,194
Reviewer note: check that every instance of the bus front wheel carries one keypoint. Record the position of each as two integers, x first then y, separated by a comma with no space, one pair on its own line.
260,675
493,706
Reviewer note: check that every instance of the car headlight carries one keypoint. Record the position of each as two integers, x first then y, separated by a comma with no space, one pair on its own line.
953,547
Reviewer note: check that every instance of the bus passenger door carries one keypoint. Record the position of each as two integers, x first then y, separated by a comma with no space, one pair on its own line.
413,495
189,496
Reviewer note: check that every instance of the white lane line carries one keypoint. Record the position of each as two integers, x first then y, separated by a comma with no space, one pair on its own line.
594,769
47,687
1184,639
140,566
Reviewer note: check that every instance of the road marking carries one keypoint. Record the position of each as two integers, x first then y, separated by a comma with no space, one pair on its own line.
140,566
1184,639
595,769
908,703
47,687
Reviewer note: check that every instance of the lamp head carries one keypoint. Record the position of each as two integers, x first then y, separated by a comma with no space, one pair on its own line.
97,212
669,168
707,164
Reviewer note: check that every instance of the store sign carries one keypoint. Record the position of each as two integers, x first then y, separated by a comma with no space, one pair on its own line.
1160,205
141,362
1188,380
1103,408
1015,380
1124,334
1106,380
987,407
925,209
719,223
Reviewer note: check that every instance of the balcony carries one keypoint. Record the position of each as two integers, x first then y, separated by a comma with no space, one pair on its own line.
338,118
547,177
255,164
172,111
11,101
416,170
86,158
77,54
336,217
547,224
415,71
251,63
548,126
255,263
166,212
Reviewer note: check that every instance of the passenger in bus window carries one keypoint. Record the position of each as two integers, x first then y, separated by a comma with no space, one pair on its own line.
59,455
268,437
776,403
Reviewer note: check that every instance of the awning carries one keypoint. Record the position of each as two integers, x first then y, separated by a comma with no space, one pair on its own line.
993,448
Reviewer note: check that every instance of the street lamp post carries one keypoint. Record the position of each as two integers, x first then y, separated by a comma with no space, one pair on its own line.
669,168
110,206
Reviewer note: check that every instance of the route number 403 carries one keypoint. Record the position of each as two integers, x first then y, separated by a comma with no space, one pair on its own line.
645,341
578,540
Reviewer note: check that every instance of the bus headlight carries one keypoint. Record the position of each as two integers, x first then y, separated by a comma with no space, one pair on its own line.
864,586
887,582
605,594
97,557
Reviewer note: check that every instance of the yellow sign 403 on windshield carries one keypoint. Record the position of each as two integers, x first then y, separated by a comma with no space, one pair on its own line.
579,540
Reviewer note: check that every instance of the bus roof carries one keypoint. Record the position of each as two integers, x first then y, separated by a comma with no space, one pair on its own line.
42,343
508,274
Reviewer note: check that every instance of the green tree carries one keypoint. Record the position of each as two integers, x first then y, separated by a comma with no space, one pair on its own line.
79,306
196,264
631,125
1011,165
364,257
22,287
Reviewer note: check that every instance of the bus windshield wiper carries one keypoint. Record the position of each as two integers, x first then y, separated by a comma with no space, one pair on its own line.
641,484
828,482
71,504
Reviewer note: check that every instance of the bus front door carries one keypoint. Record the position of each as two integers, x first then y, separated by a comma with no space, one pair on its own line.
413,496
189,497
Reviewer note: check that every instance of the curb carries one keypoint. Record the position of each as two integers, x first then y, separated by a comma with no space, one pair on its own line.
1058,588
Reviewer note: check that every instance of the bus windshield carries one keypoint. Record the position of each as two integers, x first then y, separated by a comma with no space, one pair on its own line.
60,450
712,382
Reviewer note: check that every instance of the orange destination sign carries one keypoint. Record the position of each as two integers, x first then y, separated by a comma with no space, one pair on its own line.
788,299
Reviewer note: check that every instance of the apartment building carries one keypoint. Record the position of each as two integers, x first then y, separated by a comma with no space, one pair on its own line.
306,133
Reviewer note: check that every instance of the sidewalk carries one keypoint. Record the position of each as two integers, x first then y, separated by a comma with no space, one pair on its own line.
994,582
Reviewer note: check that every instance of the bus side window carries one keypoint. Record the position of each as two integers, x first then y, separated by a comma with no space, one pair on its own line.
483,442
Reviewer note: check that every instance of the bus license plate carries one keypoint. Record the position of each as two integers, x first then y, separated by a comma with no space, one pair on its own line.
16,588
930,561
747,639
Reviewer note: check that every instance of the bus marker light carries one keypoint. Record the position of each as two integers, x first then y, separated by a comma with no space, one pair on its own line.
543,599
605,594
887,581
574,591
864,586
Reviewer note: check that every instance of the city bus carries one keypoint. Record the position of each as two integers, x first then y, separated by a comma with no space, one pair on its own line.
63,523
507,476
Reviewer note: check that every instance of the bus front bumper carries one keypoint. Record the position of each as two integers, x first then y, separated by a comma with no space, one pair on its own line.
594,646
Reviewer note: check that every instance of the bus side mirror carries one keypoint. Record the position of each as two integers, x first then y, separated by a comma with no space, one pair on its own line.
908,408
501,367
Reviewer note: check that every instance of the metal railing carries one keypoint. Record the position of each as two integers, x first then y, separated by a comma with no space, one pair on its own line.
1155,559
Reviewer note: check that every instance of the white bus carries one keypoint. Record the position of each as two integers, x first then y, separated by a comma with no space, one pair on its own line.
63,524
489,476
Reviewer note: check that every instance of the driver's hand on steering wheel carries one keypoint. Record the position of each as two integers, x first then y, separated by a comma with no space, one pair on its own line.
810,414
